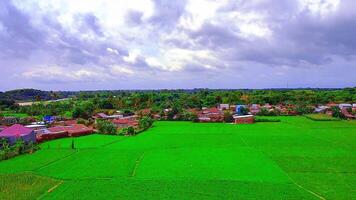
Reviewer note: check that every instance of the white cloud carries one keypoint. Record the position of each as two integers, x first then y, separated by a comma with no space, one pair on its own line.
198,12
131,58
176,59
320,8
56,73
120,70
113,51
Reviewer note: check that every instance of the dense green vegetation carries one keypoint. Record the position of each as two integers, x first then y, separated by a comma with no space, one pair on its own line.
297,158
83,104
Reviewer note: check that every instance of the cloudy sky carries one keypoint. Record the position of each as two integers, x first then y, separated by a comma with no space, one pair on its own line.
152,44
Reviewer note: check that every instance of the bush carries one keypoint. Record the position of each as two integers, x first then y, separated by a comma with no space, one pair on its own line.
106,127
336,112
194,117
266,120
302,109
145,123
128,131
265,112
228,117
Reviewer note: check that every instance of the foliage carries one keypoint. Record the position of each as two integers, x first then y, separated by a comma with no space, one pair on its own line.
336,112
106,127
228,117
259,119
265,112
128,131
83,104
145,122
304,109
20,147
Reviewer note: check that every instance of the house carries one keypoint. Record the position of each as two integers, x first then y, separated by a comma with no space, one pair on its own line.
321,109
211,115
239,109
348,115
345,106
331,104
49,119
244,119
125,123
104,116
224,107
50,134
267,106
56,132
354,107
255,108
101,116
2,128
36,126
16,132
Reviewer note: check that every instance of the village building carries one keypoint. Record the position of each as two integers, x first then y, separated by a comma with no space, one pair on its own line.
105,116
57,132
255,108
244,119
224,106
211,115
17,131
2,128
321,109
125,123
345,106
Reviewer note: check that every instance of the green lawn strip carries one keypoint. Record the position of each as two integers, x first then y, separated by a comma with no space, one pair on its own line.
329,185
121,188
24,186
242,164
93,163
30,162
90,141
321,117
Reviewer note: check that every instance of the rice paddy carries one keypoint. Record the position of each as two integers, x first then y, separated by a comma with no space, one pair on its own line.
296,158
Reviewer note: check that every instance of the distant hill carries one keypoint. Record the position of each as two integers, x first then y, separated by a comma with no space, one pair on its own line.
33,94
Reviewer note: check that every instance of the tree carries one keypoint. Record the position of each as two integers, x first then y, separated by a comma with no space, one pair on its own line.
145,122
19,146
106,127
336,112
228,117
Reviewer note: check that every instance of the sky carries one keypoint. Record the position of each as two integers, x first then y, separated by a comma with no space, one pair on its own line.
165,44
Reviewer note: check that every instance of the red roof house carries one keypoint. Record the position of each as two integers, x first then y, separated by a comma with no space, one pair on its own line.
16,132
124,123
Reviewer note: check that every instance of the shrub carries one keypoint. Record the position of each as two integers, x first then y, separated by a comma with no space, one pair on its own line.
336,112
266,120
128,131
145,122
265,112
106,127
228,117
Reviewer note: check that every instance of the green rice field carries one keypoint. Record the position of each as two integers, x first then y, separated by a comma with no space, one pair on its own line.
297,158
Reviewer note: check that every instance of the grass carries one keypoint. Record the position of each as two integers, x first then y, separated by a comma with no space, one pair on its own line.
17,115
321,117
297,158
24,186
